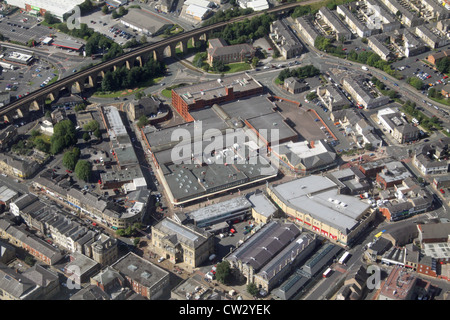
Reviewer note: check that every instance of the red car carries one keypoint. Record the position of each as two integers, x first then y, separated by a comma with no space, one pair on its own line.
445,77
68,171
442,191
269,49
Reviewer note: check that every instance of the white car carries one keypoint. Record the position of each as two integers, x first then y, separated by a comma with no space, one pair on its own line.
161,259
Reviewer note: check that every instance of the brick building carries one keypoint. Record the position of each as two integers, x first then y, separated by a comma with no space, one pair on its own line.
197,96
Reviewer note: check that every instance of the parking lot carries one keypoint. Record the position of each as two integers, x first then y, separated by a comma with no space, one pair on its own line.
22,27
26,79
104,23
415,67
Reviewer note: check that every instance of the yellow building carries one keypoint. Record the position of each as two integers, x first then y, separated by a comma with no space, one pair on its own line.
181,244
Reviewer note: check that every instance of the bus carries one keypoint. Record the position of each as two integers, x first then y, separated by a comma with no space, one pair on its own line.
327,273
344,257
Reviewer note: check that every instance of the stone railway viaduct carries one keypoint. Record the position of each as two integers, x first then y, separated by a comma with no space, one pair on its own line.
92,76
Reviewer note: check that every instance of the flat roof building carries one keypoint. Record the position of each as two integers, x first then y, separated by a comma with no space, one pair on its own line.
197,96
236,208
67,44
56,8
146,23
315,203
399,285
306,156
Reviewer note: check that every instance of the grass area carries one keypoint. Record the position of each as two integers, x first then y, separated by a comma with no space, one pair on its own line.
44,137
167,92
127,92
176,29
234,67
278,81
445,101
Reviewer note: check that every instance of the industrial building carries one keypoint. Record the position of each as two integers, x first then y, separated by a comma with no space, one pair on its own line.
141,21
40,7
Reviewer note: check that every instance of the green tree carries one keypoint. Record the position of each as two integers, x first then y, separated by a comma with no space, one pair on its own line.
86,136
114,14
70,158
91,126
50,19
136,241
255,62
105,9
143,121
368,146
64,135
218,66
97,133
107,82
415,82
29,260
223,272
311,96
443,65
122,11
252,289
41,145
35,133
83,170
80,107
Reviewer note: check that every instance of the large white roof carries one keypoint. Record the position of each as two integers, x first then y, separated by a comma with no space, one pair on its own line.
57,8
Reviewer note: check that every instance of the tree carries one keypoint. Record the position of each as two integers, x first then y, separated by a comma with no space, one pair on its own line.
136,241
415,82
223,271
311,96
218,66
97,133
122,11
252,289
322,43
443,65
368,146
83,170
70,158
255,62
35,133
114,14
41,145
50,19
143,39
91,126
107,82
105,9
86,136
142,122
64,135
